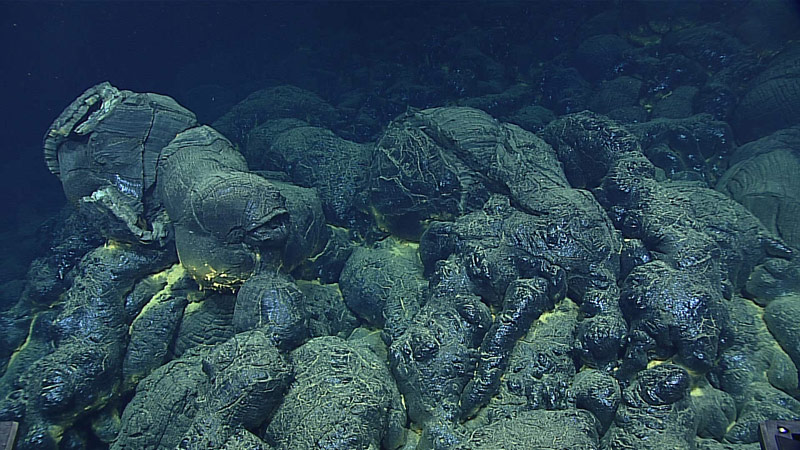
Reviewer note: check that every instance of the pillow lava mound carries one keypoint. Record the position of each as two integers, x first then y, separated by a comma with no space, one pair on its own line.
458,283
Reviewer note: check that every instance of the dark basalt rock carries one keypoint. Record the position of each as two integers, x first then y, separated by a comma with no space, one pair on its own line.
435,356
316,158
277,102
762,178
656,412
75,364
205,399
773,99
342,395
274,305
680,312
601,56
384,286
279,280
227,221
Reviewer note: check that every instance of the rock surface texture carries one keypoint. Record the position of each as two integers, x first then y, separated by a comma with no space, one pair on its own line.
541,227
